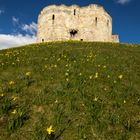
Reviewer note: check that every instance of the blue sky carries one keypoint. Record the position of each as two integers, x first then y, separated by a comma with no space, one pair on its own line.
18,19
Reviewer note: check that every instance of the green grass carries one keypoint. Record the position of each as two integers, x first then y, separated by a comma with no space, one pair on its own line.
85,91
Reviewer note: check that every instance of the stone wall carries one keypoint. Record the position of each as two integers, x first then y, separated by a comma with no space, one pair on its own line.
90,23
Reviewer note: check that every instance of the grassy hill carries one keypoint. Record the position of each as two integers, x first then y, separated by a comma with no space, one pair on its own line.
70,91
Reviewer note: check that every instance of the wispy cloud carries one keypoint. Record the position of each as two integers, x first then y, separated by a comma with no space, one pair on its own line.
15,20
8,40
1,11
30,29
123,1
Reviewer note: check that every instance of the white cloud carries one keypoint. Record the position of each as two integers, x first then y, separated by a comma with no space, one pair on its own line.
1,12
30,29
15,20
9,41
123,1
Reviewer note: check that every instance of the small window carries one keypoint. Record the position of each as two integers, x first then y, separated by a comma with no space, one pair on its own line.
81,39
74,11
42,40
53,17
96,20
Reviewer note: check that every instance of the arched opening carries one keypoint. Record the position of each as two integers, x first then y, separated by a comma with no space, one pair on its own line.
42,40
73,32
74,11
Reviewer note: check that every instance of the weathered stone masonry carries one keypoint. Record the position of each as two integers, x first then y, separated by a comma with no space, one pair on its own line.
90,23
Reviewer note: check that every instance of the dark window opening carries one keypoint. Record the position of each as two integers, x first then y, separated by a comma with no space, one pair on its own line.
96,20
42,40
73,32
74,11
81,39
53,17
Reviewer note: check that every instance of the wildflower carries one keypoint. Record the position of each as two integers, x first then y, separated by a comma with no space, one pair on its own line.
105,89
120,76
67,65
99,65
1,95
55,66
58,59
96,75
28,73
67,79
11,83
115,81
14,98
108,76
14,111
96,99
80,74
50,130
124,101
90,77
56,101
104,66
66,74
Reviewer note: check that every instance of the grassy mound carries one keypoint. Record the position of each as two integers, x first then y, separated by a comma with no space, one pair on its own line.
70,91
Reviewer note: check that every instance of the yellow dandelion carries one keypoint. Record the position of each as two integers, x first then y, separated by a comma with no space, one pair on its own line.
120,76
67,79
90,77
104,66
66,74
50,130
66,65
96,99
45,66
108,76
14,111
56,101
99,65
80,74
55,66
124,101
96,75
11,83
105,89
28,73
58,59
14,98
1,95
115,81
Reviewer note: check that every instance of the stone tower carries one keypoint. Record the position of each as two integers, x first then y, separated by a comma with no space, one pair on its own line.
60,23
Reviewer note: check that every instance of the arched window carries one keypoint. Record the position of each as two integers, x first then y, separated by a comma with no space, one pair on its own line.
96,20
74,11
